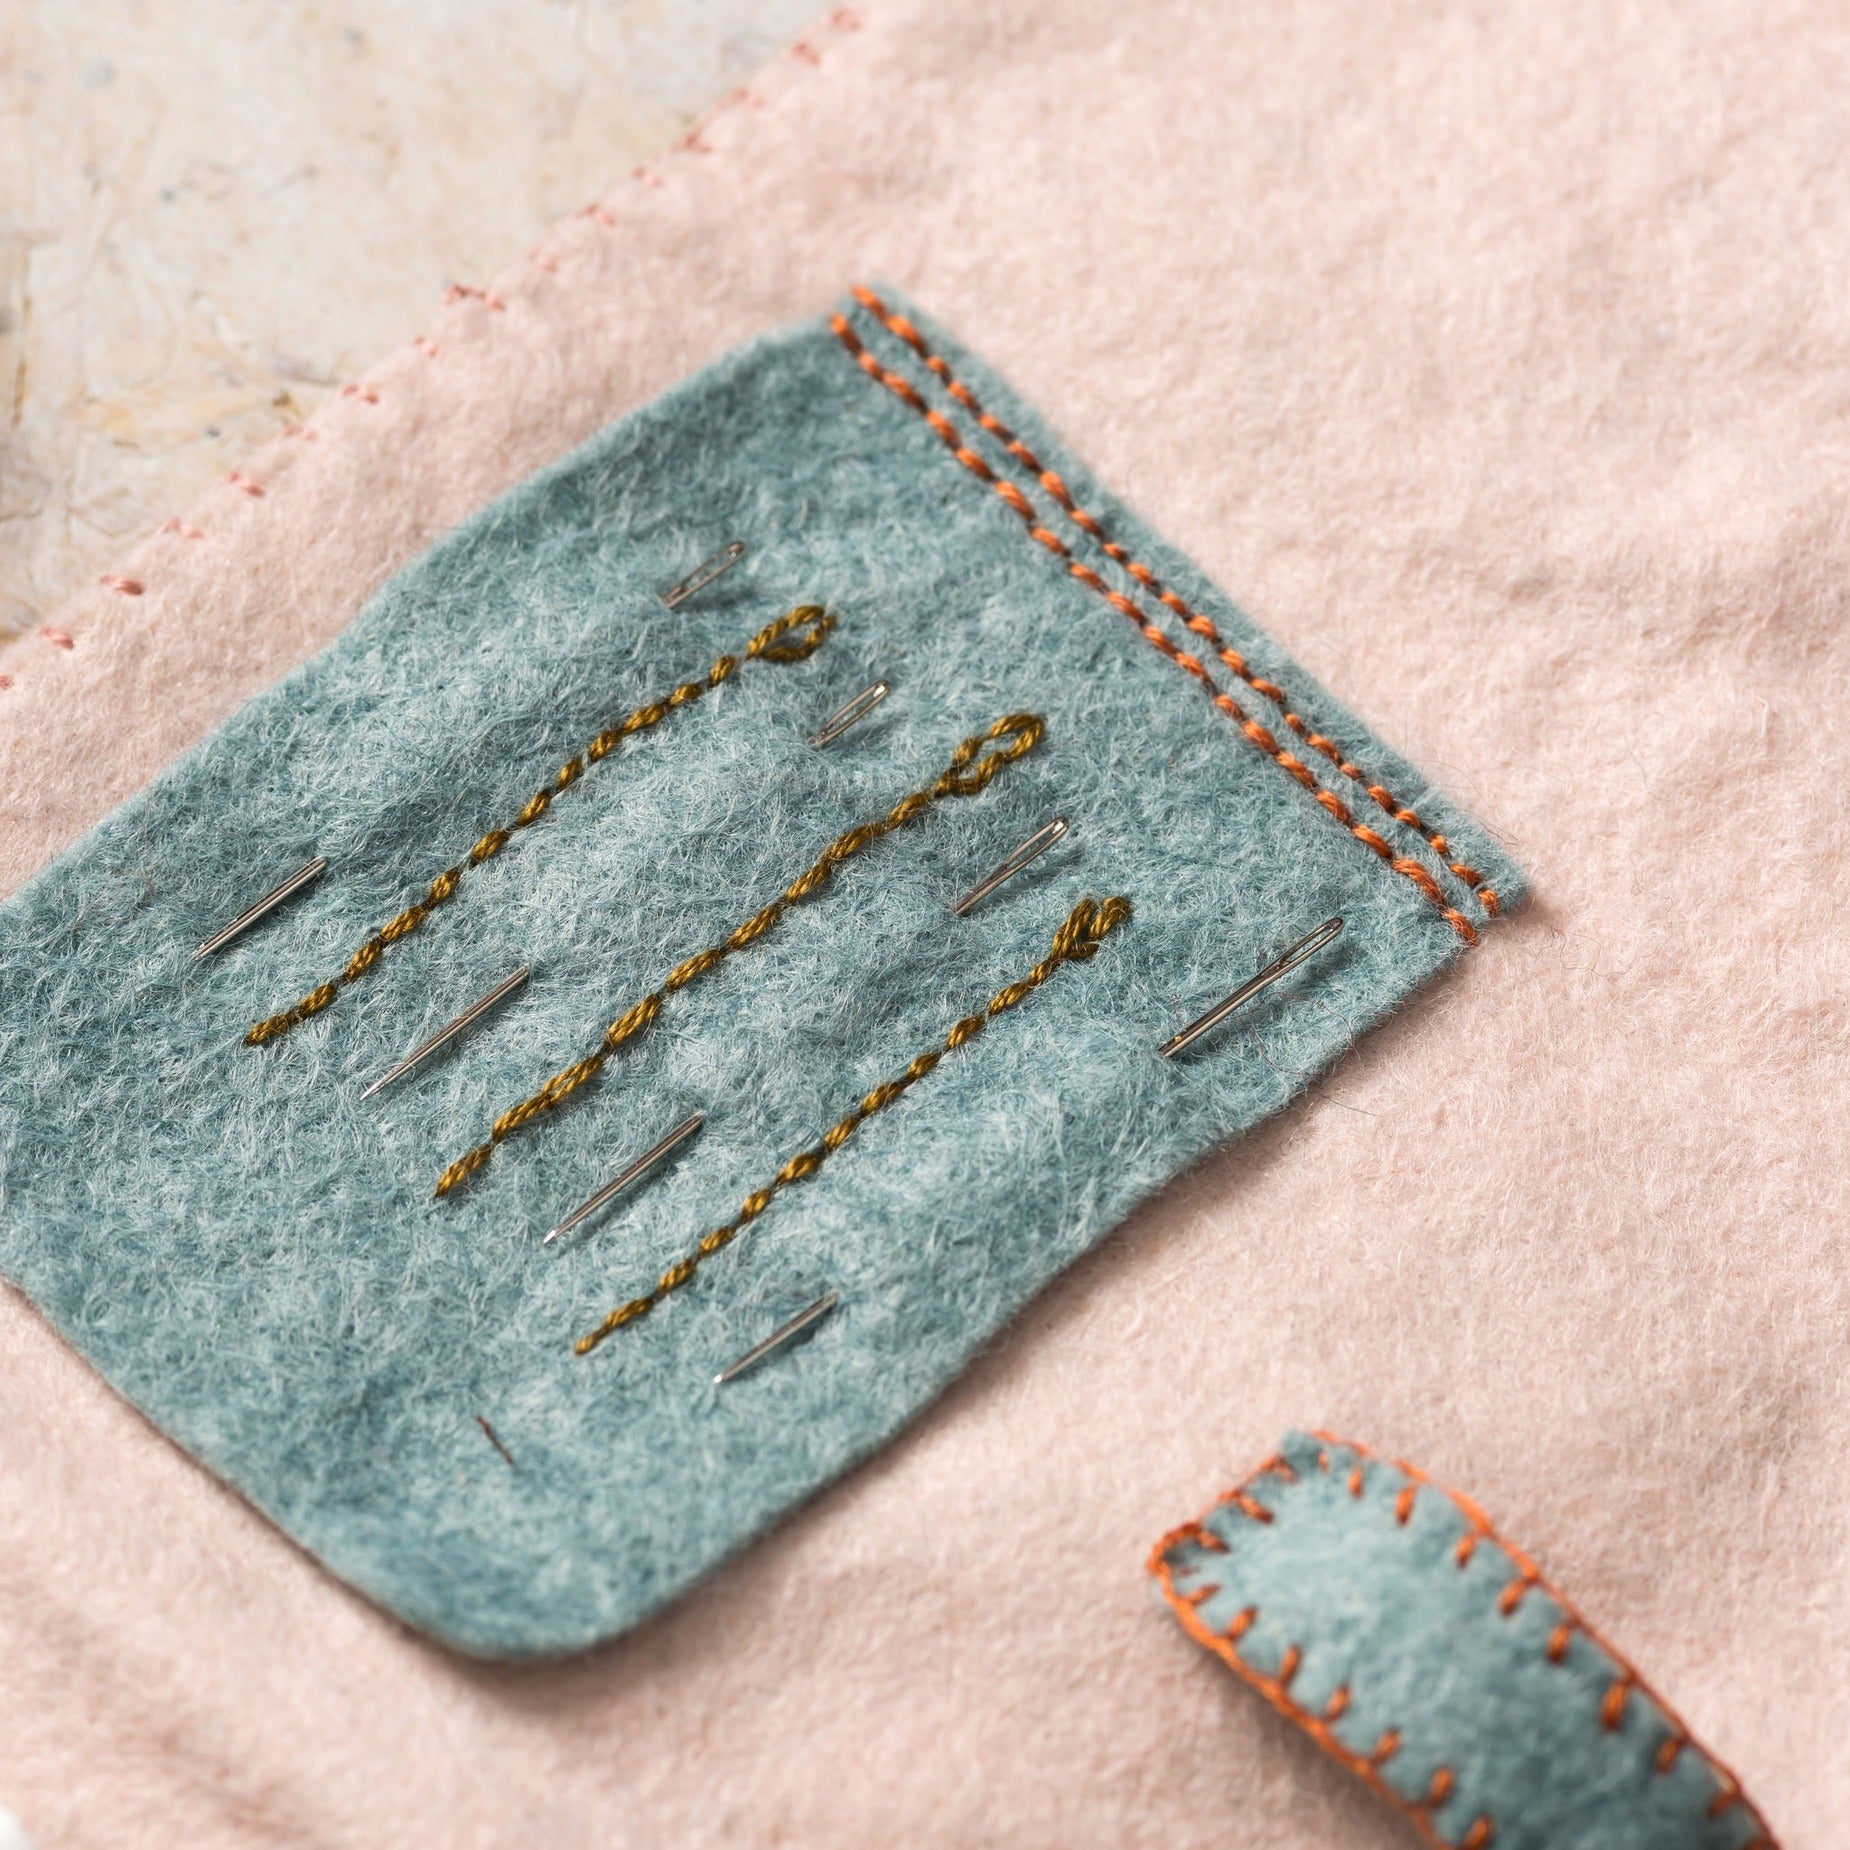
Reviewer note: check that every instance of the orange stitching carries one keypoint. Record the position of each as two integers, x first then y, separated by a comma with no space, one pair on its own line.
1529,1575
1203,626
1273,1689
127,587
1512,1595
1722,1800
1279,1697
235,478
1198,1533
1256,734
57,638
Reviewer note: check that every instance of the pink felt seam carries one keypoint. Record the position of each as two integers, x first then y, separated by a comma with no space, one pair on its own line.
1492,359
19,661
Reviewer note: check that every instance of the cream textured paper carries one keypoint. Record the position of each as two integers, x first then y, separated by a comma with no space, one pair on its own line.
212,214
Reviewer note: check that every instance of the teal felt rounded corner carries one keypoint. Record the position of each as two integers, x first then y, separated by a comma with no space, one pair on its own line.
252,1256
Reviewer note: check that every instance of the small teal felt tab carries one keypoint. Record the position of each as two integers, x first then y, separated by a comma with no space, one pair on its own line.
1382,1614
252,1253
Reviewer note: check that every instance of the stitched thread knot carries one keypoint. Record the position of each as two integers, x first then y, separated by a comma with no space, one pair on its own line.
1077,940
971,768
807,626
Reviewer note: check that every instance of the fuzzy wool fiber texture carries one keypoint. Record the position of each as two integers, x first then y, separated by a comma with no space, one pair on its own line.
1493,361
1422,1647
253,1253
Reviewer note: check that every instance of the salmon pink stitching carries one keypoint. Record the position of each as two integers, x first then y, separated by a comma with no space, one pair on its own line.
804,51
467,292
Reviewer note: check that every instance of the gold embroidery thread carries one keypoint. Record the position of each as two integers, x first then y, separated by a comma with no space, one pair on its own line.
1075,941
969,771
810,620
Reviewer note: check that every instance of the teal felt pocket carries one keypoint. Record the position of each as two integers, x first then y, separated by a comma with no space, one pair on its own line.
255,1256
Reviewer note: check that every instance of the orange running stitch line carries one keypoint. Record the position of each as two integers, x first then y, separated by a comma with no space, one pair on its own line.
1527,1576
1256,734
1202,625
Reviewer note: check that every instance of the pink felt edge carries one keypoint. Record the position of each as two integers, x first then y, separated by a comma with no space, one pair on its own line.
1491,360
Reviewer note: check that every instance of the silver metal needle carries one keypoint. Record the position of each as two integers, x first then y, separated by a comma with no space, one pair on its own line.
1032,849
704,574
303,876
624,1177
784,1333
1286,961
442,1038
857,709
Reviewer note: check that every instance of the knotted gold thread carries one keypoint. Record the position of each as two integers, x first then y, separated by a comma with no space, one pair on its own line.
1076,940
764,646
961,778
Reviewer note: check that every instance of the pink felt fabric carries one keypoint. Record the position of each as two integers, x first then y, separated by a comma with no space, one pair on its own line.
1495,357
